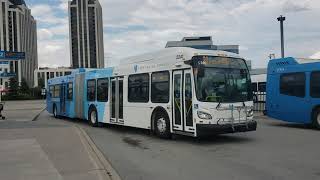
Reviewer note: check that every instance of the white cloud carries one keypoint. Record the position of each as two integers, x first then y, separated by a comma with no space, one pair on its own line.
44,34
63,4
316,55
54,53
250,23
46,14
138,26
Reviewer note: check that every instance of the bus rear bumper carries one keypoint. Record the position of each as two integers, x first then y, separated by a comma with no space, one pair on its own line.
214,129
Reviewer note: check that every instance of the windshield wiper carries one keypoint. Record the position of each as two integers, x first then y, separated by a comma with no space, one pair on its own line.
219,104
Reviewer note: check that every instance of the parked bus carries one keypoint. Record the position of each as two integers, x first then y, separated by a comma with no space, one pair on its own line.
293,90
174,91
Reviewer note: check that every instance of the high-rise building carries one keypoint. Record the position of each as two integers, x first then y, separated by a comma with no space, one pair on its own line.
86,34
18,33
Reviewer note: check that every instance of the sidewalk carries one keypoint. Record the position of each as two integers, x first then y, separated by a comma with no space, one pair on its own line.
47,149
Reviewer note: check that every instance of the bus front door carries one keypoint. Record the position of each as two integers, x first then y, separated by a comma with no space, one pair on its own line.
62,99
182,101
116,100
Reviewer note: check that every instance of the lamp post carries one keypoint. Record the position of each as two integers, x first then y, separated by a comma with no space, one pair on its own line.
282,19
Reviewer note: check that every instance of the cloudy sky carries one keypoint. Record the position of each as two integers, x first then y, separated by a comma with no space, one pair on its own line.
133,27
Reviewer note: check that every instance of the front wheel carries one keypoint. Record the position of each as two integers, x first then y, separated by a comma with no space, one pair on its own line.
162,126
93,118
316,119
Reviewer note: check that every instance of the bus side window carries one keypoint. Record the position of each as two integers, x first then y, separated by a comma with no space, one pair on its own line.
51,90
70,91
293,84
56,92
91,90
315,84
138,88
102,90
160,87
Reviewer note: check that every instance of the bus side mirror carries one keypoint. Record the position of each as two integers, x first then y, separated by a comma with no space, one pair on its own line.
201,71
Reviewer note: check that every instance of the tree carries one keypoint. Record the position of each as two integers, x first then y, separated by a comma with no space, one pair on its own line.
41,83
13,86
24,88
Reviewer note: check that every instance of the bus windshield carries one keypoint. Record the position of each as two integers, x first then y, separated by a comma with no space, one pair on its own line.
221,79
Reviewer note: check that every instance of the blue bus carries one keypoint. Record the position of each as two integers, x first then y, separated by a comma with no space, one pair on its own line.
74,95
293,90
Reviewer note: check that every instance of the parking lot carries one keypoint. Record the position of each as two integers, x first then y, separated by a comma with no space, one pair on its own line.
277,150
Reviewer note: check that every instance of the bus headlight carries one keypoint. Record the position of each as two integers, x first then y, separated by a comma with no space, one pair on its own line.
203,115
249,113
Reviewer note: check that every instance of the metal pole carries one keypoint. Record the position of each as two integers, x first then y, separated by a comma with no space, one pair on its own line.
282,19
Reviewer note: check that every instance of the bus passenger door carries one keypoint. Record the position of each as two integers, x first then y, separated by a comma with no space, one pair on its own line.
187,94
177,101
62,99
116,101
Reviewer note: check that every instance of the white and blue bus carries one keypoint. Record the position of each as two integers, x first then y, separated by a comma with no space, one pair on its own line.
293,90
173,91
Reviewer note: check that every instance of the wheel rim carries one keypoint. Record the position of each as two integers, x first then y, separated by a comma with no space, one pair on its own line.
318,118
93,117
161,125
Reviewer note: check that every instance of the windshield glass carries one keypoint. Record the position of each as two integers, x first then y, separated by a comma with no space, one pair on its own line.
222,79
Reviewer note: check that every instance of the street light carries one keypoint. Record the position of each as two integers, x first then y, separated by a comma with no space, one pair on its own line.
282,19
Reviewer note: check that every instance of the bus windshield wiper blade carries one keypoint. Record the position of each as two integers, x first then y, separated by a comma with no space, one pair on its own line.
218,104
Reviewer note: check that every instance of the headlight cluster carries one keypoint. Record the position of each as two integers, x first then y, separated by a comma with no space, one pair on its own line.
203,115
249,112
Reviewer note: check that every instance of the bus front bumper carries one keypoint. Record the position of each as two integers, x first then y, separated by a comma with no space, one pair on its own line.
214,129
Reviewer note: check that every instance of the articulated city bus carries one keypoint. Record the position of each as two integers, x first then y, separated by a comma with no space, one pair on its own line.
293,90
174,91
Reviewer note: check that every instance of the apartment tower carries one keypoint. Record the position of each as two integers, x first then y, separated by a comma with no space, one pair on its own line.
86,34
18,33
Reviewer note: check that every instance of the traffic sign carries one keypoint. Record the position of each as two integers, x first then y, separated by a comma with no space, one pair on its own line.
12,55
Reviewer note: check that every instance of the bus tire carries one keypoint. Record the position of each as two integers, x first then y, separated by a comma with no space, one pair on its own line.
316,118
162,125
54,111
93,117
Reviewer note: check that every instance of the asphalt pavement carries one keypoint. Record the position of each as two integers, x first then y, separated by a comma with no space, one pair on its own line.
51,148
277,150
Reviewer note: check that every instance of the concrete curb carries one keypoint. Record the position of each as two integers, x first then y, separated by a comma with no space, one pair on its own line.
103,166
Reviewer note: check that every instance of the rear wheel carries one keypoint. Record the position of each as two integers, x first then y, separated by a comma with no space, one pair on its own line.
316,119
93,117
162,125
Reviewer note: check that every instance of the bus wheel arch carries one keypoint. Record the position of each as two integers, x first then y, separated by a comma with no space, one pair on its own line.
315,117
93,116
160,123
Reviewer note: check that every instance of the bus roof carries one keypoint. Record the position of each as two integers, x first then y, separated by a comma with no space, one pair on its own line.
169,53
90,73
290,64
